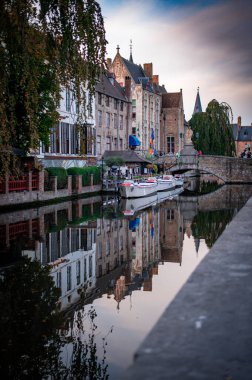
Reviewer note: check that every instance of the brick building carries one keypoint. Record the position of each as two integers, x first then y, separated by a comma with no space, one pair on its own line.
146,99
242,136
172,123
112,115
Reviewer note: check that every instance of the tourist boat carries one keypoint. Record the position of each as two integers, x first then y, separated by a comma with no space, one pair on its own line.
131,189
179,180
131,206
164,183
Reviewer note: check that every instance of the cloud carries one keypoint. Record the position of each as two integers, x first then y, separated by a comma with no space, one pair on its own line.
206,44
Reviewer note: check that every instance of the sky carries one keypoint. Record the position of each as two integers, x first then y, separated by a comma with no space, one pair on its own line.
205,44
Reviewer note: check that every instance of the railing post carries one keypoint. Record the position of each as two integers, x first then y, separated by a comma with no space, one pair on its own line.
69,185
79,184
92,179
7,178
29,181
41,186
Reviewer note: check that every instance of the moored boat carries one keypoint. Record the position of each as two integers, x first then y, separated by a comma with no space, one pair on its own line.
131,189
179,180
164,183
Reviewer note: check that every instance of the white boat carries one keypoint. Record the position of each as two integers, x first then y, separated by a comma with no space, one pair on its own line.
166,182
179,178
130,206
131,189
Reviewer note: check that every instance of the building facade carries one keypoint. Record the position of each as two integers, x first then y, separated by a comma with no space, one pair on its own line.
145,97
242,136
172,123
112,115
68,147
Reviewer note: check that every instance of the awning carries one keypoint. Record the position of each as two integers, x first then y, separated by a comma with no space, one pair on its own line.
133,141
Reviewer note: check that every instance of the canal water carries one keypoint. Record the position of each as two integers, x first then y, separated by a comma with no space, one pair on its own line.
82,282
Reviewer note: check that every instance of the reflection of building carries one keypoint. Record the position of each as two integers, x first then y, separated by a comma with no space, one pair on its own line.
171,232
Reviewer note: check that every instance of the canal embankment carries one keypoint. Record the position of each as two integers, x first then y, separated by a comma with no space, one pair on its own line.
206,333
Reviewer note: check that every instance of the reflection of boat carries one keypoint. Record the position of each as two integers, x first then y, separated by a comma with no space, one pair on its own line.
161,196
131,189
131,206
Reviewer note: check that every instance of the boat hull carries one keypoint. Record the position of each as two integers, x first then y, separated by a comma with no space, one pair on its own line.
137,190
131,206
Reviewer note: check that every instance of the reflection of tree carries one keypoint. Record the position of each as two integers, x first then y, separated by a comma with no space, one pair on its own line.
209,225
30,346
28,321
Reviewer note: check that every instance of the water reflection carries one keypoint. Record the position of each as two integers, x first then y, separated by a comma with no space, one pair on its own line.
88,249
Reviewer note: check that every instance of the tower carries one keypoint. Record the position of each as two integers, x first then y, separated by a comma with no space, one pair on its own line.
197,107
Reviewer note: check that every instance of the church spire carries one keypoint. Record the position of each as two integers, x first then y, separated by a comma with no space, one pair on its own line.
131,58
197,107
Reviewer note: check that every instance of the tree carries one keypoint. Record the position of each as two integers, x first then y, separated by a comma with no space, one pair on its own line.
44,44
114,161
212,131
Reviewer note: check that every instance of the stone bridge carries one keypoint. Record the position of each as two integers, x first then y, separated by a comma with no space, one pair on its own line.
229,169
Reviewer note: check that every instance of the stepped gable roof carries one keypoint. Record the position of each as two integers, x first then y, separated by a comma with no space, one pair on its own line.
113,89
244,133
127,155
171,100
197,106
136,71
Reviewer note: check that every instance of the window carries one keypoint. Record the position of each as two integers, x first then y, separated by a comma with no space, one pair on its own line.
64,127
107,119
170,214
85,270
108,145
133,130
115,121
133,115
115,142
68,100
74,139
69,278
58,284
54,139
98,144
78,272
99,98
121,122
133,102
99,118
107,101
170,144
121,106
115,104
121,143
90,265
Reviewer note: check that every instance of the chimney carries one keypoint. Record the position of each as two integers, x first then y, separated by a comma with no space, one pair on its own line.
128,87
155,79
148,70
239,121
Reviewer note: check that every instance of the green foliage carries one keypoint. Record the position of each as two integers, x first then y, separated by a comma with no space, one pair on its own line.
31,344
86,174
114,161
61,175
212,131
45,44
